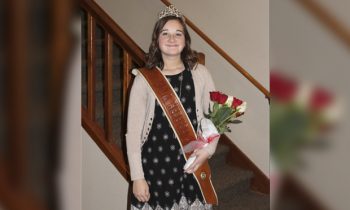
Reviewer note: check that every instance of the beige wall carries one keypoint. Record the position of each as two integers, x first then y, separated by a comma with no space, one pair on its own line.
70,186
103,187
241,28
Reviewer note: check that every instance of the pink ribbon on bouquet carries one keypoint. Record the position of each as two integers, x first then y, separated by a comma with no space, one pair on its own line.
207,134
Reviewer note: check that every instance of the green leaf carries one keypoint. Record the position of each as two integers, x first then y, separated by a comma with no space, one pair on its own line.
223,114
216,107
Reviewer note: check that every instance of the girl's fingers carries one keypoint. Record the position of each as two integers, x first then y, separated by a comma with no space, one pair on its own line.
141,191
138,198
198,162
147,195
142,198
195,168
192,167
189,169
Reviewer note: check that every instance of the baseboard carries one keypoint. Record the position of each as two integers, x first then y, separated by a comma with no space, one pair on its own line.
293,190
260,182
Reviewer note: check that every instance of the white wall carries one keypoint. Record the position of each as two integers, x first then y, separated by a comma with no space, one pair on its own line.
70,185
241,28
103,186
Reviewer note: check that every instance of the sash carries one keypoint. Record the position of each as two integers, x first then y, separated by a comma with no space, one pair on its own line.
181,125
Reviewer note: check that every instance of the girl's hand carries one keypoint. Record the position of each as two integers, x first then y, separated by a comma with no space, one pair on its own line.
141,190
201,156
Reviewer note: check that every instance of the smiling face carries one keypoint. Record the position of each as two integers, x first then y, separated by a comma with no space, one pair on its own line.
171,39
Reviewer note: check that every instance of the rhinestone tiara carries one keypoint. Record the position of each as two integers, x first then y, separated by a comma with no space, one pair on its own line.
170,11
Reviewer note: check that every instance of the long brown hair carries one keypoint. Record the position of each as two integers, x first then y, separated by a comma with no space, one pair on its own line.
154,56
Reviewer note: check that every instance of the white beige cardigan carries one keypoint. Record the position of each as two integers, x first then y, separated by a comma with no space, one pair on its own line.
141,114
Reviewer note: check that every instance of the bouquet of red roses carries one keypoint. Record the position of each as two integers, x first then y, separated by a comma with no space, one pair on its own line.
225,109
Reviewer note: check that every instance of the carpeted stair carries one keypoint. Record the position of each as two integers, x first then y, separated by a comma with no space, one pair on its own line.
232,185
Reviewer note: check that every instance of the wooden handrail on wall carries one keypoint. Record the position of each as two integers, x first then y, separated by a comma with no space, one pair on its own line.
327,19
225,55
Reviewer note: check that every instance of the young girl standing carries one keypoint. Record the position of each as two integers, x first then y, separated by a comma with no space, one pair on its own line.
154,152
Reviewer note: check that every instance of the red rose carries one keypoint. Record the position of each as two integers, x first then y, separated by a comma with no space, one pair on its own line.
236,102
222,98
320,98
282,88
214,96
218,97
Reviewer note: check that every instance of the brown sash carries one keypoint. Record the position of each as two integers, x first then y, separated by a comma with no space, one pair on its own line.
181,125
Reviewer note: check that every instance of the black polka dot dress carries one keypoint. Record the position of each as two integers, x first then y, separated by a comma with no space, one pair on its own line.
170,187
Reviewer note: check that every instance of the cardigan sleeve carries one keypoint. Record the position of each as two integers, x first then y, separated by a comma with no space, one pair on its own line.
208,87
135,122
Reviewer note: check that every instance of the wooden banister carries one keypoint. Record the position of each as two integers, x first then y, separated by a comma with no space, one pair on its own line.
327,19
108,86
225,55
117,33
127,64
103,137
91,53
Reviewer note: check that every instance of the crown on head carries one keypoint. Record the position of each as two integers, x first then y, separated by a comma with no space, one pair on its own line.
170,11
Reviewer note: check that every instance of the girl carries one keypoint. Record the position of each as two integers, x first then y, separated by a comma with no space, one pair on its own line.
154,152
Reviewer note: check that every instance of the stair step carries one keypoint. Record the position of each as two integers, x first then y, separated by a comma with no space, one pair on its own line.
219,157
245,201
221,149
228,179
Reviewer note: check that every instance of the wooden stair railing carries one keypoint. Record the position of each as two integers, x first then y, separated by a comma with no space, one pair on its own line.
327,19
225,56
132,54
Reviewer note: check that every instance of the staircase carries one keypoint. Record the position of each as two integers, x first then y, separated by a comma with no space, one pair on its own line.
232,184
103,106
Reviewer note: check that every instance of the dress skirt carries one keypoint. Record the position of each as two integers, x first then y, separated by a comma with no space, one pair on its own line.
162,161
